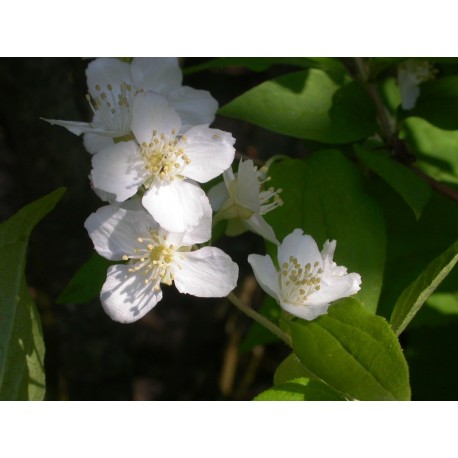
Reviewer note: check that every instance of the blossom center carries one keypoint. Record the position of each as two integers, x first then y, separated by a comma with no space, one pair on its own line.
164,156
153,258
113,107
299,282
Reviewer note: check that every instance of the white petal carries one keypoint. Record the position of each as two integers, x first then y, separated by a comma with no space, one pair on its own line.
159,74
150,112
194,106
307,312
78,128
409,95
119,170
333,287
211,152
257,224
125,297
114,230
200,233
95,143
301,246
266,274
218,195
248,186
208,272
177,206
104,71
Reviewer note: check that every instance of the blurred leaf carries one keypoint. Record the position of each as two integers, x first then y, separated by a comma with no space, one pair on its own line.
378,65
353,351
436,149
87,282
22,348
259,335
416,294
289,369
259,64
437,311
309,105
325,196
438,103
415,191
300,389
390,93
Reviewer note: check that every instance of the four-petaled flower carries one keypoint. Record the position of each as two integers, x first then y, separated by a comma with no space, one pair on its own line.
308,281
161,160
112,85
154,256
241,199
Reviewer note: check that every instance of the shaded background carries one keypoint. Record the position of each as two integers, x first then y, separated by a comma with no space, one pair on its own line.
186,348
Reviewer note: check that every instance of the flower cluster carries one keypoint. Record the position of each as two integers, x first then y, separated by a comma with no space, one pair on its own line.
151,147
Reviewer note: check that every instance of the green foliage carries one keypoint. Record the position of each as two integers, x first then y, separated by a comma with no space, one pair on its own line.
415,191
416,294
325,196
22,349
259,64
353,351
310,105
290,368
87,282
300,389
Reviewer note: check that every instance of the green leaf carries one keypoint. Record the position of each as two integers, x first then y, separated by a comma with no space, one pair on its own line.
259,64
310,105
22,349
438,103
87,282
289,369
300,389
437,311
259,335
414,296
325,196
415,191
353,351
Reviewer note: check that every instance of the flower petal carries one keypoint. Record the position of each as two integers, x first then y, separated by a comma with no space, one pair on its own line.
257,224
247,193
125,297
177,205
211,152
333,287
217,195
208,272
307,312
106,71
194,106
114,230
159,74
95,142
78,128
266,274
150,112
119,170
301,246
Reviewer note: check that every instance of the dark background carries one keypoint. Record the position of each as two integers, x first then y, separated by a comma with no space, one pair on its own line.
186,348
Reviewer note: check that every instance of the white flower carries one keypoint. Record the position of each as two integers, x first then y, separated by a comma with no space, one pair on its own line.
160,159
411,74
241,200
154,256
308,281
112,84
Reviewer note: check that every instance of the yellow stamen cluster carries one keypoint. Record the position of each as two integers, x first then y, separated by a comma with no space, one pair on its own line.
114,109
298,281
153,259
269,198
164,156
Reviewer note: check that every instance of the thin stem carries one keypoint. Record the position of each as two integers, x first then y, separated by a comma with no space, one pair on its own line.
260,319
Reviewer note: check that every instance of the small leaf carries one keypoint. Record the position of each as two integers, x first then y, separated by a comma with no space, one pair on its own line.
413,297
325,196
289,369
300,389
415,192
310,105
22,349
87,282
353,351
